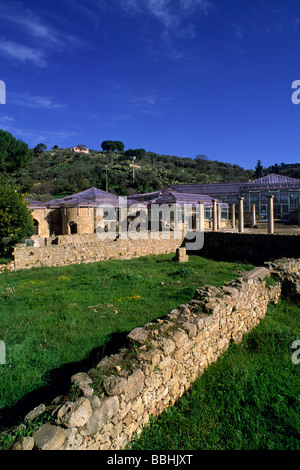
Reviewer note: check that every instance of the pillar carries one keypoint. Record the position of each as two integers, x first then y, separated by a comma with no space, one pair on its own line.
215,215
233,216
219,216
253,215
241,215
271,214
200,224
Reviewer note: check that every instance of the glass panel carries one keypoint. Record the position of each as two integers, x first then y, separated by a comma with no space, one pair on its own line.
284,197
208,213
294,200
224,214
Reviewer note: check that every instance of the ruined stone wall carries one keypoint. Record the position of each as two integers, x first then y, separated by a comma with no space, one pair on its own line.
249,247
163,359
89,249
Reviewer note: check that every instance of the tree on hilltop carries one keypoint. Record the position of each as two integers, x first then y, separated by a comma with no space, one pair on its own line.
40,148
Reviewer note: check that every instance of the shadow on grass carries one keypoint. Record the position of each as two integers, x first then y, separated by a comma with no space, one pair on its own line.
59,382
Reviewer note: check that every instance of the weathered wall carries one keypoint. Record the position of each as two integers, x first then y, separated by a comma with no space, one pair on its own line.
254,248
165,358
88,249
250,247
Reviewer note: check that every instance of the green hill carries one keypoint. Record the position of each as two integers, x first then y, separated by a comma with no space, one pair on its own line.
60,172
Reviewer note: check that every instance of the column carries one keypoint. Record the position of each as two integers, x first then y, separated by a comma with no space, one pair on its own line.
200,224
215,215
219,216
271,214
241,215
253,215
233,216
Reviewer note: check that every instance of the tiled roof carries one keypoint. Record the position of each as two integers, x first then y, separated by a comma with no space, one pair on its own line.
35,204
92,197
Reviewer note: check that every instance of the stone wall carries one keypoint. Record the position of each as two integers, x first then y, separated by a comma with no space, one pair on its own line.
88,248
249,247
75,249
116,398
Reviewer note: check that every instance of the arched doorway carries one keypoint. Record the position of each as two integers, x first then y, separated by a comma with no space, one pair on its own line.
73,228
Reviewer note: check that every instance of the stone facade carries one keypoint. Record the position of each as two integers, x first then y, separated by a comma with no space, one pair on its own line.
159,364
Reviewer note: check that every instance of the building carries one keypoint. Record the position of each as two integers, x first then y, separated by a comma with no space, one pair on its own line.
80,149
75,214
185,199
79,213
286,192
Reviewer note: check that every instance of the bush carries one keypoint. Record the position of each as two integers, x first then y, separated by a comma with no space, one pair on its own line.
16,222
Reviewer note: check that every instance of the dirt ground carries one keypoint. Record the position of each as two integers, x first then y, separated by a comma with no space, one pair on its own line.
263,228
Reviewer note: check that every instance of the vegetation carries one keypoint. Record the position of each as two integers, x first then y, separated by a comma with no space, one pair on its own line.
62,172
14,154
46,174
247,400
16,222
55,316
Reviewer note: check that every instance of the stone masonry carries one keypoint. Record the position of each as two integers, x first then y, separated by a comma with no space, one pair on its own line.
162,359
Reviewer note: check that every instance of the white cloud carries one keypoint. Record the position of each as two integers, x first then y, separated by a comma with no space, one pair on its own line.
35,27
36,101
22,53
39,37
169,12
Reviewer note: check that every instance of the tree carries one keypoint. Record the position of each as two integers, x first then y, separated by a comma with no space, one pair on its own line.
16,222
14,154
108,146
138,153
112,146
201,163
119,146
40,148
259,170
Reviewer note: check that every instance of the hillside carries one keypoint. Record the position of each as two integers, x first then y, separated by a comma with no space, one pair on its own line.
61,172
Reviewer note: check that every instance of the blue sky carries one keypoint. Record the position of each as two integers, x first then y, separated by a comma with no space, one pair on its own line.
176,77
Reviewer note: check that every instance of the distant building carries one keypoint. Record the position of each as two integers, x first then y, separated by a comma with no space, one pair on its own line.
80,149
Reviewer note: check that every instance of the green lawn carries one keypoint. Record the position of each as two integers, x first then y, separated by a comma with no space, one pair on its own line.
55,316
248,400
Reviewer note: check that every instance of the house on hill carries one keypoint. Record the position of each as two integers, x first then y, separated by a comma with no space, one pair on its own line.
80,149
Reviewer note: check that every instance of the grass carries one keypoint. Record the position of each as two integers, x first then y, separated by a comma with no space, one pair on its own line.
55,316
247,400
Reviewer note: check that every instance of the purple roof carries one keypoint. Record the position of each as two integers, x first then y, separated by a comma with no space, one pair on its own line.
172,196
35,204
272,181
92,197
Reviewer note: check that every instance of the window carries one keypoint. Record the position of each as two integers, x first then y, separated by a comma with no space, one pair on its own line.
224,214
294,200
35,227
208,213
